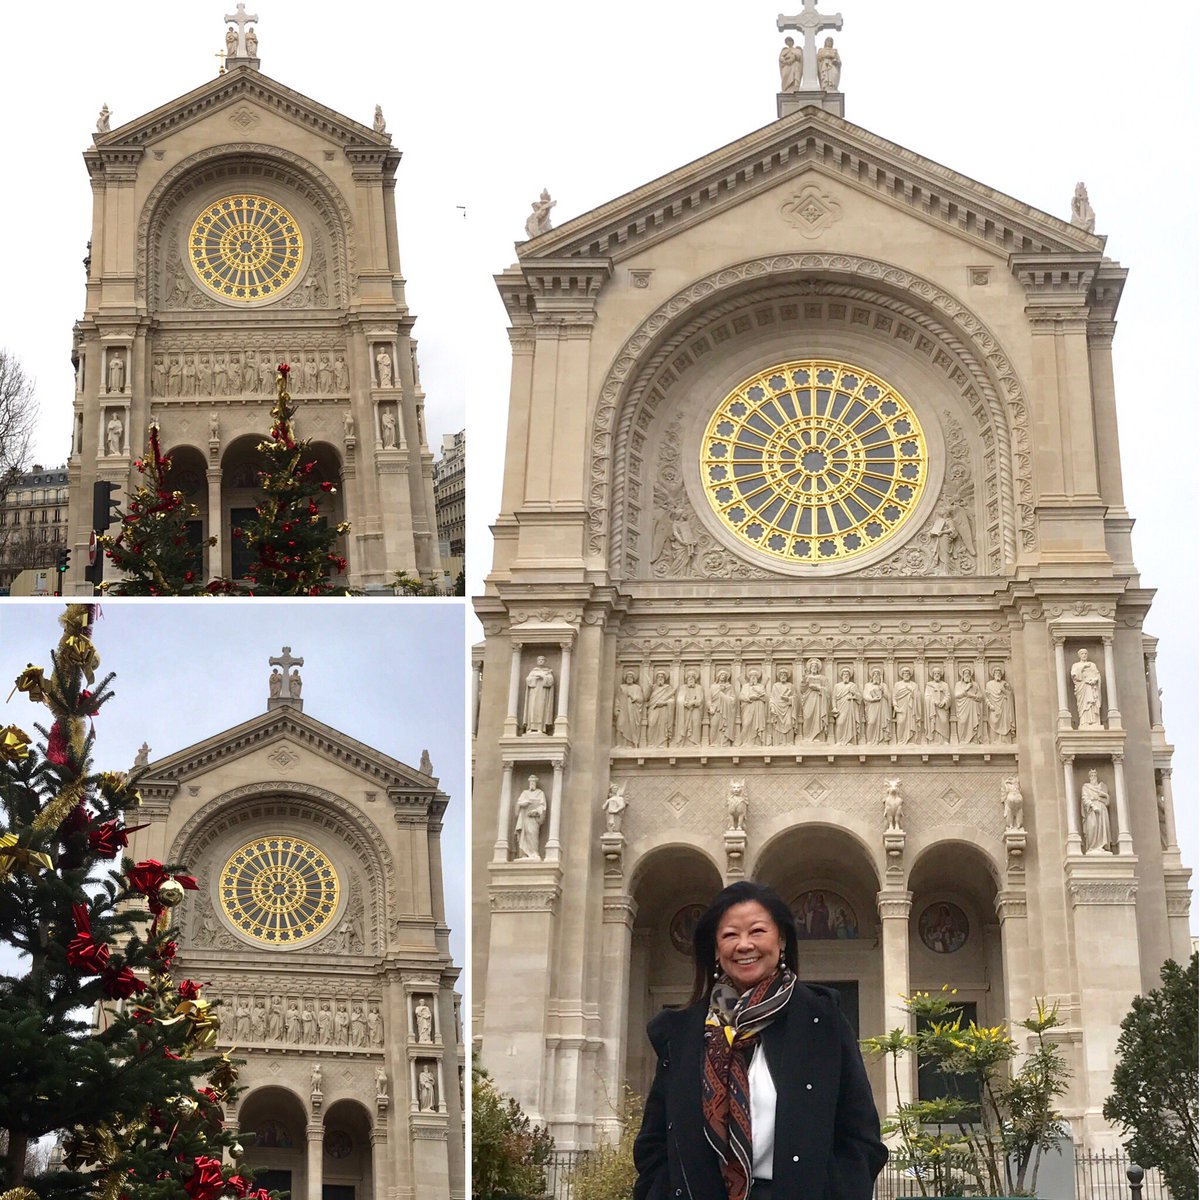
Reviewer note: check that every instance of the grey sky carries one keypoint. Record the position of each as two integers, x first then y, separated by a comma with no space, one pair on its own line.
390,675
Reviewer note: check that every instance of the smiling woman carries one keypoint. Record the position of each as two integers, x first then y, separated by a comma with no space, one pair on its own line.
760,1089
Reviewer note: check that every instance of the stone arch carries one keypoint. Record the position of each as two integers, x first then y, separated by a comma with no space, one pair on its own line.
953,338
348,1150
970,838
645,853
277,1114
308,804
859,836
240,161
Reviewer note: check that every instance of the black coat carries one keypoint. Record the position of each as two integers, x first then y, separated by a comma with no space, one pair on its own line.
827,1144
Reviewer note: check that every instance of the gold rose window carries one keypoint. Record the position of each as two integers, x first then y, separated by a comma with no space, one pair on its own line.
279,890
814,461
245,248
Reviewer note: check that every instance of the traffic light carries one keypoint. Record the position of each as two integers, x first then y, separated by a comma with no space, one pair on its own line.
63,560
104,507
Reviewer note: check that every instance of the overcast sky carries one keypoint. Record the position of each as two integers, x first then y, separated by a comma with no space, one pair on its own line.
389,675
492,102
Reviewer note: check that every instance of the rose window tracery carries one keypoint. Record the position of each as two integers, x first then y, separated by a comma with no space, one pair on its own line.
814,461
245,248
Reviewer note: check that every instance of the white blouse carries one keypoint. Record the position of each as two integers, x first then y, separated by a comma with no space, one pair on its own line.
762,1113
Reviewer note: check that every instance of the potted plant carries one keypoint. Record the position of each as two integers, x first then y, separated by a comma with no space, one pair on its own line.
988,1140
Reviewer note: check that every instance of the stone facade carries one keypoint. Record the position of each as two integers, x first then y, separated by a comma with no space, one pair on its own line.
33,522
450,496
338,1030
155,343
913,755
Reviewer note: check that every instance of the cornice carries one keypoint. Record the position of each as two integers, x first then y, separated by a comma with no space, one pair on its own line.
811,139
242,83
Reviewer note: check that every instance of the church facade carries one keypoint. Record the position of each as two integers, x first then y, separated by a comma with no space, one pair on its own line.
320,926
813,567
241,226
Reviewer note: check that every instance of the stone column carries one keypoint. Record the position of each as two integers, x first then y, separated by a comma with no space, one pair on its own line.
1011,908
1110,681
894,907
501,849
1156,720
379,1173
316,1145
620,910
1124,836
1060,677
561,722
1169,805
514,692
1074,837
554,834
216,565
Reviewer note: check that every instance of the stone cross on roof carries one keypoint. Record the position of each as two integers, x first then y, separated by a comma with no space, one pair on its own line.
810,23
242,18
285,660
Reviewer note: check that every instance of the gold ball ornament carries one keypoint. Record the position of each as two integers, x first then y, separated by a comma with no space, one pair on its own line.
237,1149
170,893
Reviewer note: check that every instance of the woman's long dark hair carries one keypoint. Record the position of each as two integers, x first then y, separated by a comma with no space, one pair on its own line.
704,939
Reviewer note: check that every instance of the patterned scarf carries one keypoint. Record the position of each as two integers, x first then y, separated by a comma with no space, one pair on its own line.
730,1035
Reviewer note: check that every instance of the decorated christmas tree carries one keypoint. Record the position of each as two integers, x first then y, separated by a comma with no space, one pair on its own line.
293,543
135,1095
152,548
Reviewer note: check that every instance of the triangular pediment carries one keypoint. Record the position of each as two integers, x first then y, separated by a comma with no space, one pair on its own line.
283,726
810,142
242,85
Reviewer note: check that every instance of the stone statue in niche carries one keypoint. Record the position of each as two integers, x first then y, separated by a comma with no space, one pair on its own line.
627,711
424,1016
383,364
1097,832
737,805
1001,707
388,422
116,372
1085,676
115,430
538,220
791,66
1014,803
753,703
613,806
531,812
722,710
877,706
1083,215
893,807
847,709
689,706
539,698
814,702
781,709
829,66
906,702
425,1089
968,707
660,705
937,707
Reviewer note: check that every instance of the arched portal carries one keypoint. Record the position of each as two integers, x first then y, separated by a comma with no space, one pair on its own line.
187,475
272,1121
347,1153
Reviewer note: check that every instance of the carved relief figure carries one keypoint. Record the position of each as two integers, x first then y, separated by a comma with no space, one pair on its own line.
115,430
1014,803
220,376
324,376
310,375
737,805
814,702
893,807
722,710
531,812
424,1015
878,708
538,220
906,701
660,706
791,66
1001,707
753,699
829,66
383,363
242,1022
308,1021
689,704
292,1030
1085,675
968,707
116,373
266,376
627,711
937,707
425,1089
1097,832
258,1022
539,698
204,376
613,805
159,376
783,709
275,1020
341,376
375,1027
325,1026
847,709
673,545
